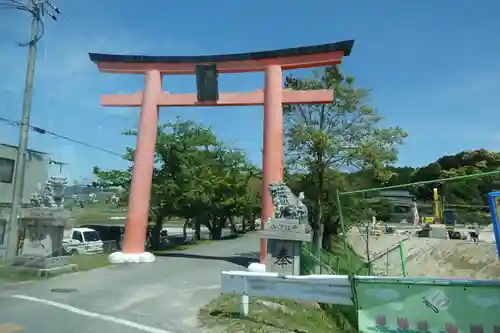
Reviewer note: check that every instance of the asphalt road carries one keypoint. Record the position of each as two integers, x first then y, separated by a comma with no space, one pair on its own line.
162,297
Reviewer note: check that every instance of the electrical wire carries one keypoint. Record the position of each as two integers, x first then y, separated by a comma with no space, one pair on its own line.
37,9
59,136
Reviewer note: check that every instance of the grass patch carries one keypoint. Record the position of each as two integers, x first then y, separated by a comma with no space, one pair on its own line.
7,274
84,262
266,316
98,214
102,213
88,262
273,315
357,265
345,317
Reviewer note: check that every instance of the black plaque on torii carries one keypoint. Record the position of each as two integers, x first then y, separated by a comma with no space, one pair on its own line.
207,82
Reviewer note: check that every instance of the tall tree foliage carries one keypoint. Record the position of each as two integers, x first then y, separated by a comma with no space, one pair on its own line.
195,177
464,191
324,140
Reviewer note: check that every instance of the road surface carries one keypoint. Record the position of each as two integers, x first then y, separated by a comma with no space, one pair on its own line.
162,297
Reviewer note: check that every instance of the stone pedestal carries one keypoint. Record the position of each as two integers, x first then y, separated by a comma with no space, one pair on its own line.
41,247
4,220
284,242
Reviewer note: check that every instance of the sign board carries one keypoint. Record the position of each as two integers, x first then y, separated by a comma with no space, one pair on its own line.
284,242
494,201
283,256
287,229
333,289
40,213
424,305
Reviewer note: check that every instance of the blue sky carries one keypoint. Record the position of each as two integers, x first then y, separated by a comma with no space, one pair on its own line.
434,68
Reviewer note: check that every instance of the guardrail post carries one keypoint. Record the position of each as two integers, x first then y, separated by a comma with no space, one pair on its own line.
402,256
387,263
245,305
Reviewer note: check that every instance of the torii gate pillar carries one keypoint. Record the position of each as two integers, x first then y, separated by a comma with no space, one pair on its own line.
273,97
272,152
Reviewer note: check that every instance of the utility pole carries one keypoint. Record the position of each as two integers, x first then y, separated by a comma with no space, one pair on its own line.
37,9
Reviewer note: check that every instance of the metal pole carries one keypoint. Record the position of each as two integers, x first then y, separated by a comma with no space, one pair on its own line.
342,226
17,196
402,257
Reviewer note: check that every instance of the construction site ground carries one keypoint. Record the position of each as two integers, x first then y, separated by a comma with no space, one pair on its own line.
429,256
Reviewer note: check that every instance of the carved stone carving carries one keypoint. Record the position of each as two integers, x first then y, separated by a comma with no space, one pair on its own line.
52,195
286,204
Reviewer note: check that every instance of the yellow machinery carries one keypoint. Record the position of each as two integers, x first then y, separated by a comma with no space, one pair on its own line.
377,230
439,211
437,207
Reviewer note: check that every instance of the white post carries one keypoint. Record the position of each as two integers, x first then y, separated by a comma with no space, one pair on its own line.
245,305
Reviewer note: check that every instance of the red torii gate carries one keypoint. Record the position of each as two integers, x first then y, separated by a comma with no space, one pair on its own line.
272,63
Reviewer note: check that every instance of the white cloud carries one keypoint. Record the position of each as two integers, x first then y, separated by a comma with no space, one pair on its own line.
484,302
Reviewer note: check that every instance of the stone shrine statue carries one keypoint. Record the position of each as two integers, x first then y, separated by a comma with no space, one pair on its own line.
286,204
285,232
52,195
43,223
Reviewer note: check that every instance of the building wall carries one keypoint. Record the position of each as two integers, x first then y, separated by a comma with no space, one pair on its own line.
37,172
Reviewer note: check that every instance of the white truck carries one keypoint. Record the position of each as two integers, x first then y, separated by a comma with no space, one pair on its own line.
78,241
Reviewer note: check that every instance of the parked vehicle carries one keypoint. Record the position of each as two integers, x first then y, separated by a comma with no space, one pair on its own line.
109,233
78,241
450,218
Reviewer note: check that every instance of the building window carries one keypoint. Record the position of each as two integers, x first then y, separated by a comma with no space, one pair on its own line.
6,170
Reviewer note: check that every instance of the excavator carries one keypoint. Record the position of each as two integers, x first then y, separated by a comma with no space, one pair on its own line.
441,215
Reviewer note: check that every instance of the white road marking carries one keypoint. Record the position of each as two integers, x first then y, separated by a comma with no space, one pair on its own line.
194,289
81,312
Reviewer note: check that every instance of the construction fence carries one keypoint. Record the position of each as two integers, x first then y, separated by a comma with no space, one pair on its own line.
382,229
406,254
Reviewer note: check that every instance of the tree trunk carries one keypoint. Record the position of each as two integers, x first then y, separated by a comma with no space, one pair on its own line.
155,233
243,225
252,222
318,239
331,229
197,229
368,256
327,240
216,232
233,226
184,229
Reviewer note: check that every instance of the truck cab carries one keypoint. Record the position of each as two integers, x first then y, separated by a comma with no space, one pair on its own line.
78,241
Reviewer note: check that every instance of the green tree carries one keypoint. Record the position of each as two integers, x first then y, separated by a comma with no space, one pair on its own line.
195,177
471,191
323,140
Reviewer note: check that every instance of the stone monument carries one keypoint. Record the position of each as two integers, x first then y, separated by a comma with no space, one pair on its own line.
286,231
42,229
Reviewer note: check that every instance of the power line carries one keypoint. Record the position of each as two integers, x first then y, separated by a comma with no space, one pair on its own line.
38,9
59,136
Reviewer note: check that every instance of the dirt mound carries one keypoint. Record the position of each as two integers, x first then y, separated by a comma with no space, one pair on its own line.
429,257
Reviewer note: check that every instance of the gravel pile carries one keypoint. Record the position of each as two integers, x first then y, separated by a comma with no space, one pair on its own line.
429,257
